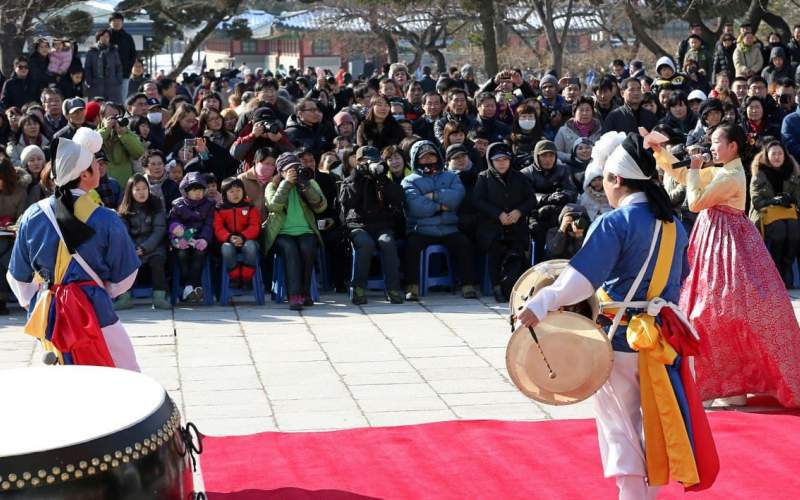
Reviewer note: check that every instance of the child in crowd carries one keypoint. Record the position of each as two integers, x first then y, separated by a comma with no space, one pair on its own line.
60,57
143,215
593,199
237,224
191,223
175,171
212,190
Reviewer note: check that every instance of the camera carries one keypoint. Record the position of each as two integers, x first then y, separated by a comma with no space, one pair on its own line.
123,122
304,174
270,127
190,143
371,169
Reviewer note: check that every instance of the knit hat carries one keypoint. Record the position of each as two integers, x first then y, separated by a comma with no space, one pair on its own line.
286,160
343,116
369,152
29,151
396,68
665,60
92,110
544,146
710,105
548,79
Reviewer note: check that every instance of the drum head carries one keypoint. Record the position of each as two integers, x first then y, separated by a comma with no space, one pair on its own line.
539,276
53,407
577,350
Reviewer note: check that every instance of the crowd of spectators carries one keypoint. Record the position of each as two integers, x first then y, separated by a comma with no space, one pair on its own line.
330,167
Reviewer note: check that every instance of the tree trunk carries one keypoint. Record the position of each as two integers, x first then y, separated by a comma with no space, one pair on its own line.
194,44
11,46
778,24
486,13
392,53
637,24
441,64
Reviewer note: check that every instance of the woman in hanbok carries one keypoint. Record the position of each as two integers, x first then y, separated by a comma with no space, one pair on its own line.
734,296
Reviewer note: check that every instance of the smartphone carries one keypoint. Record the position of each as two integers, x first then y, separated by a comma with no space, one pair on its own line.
190,143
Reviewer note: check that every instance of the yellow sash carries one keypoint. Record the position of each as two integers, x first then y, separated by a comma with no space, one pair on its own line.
36,325
668,449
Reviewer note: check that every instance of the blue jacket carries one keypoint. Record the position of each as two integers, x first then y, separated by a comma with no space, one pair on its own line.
790,133
423,215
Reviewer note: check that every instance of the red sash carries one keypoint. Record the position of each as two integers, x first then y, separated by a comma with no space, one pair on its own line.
76,330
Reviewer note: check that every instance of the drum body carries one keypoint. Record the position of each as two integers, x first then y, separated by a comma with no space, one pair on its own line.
143,459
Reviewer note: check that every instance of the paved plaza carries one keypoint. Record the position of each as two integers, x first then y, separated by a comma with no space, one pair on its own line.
246,368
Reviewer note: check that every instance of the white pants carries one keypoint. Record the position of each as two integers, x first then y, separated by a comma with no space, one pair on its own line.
619,428
120,347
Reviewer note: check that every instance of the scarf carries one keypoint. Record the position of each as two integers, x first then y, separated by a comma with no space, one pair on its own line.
583,130
756,128
155,188
777,176
74,231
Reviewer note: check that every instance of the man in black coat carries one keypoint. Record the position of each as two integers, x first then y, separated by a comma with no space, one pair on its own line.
306,128
432,105
125,47
21,88
630,116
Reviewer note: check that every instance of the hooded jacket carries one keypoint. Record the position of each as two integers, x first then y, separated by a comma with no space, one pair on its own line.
772,74
494,194
568,134
374,204
698,135
554,186
194,214
318,138
424,215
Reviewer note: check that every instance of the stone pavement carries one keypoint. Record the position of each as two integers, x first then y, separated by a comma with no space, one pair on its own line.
246,368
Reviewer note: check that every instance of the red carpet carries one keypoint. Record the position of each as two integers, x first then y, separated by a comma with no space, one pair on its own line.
759,456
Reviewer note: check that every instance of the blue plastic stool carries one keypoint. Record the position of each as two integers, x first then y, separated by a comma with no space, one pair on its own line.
226,292
426,279
377,282
278,291
206,283
486,280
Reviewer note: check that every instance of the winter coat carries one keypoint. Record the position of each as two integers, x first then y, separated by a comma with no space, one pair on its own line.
683,126
625,119
121,150
103,73
747,60
166,189
390,135
318,138
197,215
277,197
790,133
723,61
424,127
14,149
762,191
245,146
254,192
218,162
553,186
498,130
424,215
702,57
19,91
568,134
241,219
148,231
12,205
495,194
466,120
126,48
372,204
467,212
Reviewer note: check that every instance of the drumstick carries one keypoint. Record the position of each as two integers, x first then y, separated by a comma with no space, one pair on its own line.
552,375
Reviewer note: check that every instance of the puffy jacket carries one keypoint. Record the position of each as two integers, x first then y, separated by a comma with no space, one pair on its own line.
148,231
103,72
466,120
121,150
552,186
194,214
372,204
790,132
625,119
762,191
771,74
495,194
277,198
241,219
723,61
318,138
424,215
747,60
568,134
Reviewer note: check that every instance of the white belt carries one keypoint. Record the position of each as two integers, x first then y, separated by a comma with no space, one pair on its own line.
652,308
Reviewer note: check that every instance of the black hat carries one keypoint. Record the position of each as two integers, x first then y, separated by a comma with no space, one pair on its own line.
455,150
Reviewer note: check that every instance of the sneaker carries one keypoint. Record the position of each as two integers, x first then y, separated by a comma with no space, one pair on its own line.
307,301
499,296
198,293
396,297
412,292
468,292
160,300
359,296
188,294
296,302
123,302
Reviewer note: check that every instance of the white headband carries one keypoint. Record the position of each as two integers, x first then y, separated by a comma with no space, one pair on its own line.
620,163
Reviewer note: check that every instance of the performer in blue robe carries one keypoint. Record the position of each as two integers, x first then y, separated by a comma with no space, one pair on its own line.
71,258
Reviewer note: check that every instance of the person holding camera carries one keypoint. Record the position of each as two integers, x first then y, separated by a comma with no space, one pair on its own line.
433,196
293,197
372,206
775,196
120,145
202,155
503,199
564,241
262,130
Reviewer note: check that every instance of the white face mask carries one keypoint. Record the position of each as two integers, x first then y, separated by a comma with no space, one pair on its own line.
527,124
154,118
